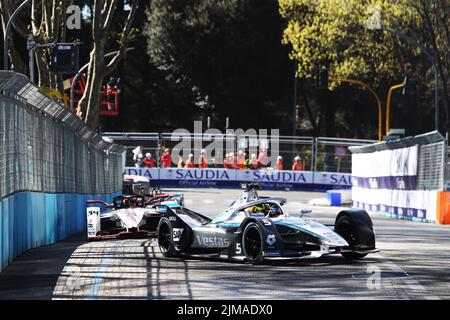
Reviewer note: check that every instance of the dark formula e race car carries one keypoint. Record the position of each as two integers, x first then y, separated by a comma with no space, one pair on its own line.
128,215
255,229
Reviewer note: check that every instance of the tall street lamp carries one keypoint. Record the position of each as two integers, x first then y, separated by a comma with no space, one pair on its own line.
412,42
388,103
6,34
295,107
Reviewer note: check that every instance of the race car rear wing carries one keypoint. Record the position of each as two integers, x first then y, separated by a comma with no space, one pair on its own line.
177,198
157,197
106,204
250,186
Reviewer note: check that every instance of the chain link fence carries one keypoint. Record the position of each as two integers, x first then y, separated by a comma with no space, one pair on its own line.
46,148
432,167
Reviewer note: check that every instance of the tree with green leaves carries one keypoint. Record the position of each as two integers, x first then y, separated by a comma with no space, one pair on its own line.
366,40
227,56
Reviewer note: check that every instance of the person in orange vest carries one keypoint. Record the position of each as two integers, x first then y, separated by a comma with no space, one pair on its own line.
180,162
262,158
279,163
225,161
231,161
297,165
190,162
240,160
166,159
203,160
254,165
149,162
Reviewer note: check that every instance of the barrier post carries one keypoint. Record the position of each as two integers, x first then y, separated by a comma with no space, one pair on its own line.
443,207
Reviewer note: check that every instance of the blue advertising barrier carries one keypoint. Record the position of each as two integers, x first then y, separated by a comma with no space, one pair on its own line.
32,219
230,178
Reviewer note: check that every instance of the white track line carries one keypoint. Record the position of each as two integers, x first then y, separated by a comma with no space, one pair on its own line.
413,285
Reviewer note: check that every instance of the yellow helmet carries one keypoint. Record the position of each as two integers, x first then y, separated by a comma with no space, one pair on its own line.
257,208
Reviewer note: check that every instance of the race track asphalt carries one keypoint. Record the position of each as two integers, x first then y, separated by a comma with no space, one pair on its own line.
413,264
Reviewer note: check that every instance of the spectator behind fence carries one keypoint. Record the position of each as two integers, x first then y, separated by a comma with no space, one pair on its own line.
240,160
190,162
262,158
136,152
149,162
254,165
139,162
298,164
231,161
280,163
246,161
203,160
180,162
225,161
166,159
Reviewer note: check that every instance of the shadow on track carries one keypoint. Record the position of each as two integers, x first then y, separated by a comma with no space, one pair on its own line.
33,275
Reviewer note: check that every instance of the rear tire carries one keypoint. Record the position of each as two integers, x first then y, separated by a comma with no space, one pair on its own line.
252,243
165,241
347,230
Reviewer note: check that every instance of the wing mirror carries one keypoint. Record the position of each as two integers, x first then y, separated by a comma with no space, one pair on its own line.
304,211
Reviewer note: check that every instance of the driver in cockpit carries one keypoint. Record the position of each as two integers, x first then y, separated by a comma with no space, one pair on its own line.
265,210
259,210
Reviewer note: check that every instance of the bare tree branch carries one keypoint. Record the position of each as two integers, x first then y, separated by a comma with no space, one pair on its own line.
109,15
123,38
97,19
88,106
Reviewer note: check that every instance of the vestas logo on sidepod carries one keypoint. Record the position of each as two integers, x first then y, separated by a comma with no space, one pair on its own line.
212,241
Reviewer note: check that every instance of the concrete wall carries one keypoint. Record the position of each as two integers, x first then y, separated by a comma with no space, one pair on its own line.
32,219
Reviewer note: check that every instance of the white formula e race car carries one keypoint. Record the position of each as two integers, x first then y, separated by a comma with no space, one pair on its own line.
255,229
127,216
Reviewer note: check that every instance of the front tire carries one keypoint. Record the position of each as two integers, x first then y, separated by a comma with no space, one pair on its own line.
252,243
165,241
348,230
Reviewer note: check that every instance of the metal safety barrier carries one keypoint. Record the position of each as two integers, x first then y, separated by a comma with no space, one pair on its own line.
403,178
318,154
46,148
50,164
431,157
